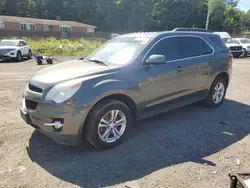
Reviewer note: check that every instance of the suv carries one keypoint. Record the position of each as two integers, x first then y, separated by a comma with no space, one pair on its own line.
14,49
245,42
131,77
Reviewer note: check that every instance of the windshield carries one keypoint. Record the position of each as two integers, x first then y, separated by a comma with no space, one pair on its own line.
245,41
8,43
232,41
120,50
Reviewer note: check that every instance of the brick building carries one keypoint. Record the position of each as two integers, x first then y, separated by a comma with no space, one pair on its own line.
23,26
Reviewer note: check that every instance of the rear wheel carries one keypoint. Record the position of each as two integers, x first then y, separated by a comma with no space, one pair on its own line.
216,94
108,124
18,56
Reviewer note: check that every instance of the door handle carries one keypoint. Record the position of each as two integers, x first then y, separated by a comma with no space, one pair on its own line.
179,69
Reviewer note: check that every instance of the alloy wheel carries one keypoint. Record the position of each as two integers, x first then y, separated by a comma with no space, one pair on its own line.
218,93
112,126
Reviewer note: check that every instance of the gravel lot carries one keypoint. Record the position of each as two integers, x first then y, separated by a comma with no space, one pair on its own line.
190,147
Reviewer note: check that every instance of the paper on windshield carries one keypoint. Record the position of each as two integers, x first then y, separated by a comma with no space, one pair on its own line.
143,40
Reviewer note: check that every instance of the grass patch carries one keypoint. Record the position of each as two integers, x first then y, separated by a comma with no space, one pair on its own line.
63,47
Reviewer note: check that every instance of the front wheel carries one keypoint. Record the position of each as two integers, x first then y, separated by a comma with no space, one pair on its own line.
217,93
108,124
244,54
18,56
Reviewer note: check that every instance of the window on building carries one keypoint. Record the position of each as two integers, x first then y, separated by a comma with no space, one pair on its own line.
1,25
65,29
47,28
90,30
27,27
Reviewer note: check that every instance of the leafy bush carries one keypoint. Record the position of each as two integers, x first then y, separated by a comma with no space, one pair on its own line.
247,34
63,47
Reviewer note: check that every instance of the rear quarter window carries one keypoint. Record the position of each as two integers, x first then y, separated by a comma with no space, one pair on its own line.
218,42
195,46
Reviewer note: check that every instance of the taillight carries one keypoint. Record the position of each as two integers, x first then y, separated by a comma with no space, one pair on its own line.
231,58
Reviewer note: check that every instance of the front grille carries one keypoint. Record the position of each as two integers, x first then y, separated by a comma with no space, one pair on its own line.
236,48
31,104
4,51
35,89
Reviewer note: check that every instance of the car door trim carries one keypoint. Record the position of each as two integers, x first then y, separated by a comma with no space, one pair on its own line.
174,36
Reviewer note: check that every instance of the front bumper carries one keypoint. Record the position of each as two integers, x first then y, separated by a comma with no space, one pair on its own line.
8,55
236,53
73,121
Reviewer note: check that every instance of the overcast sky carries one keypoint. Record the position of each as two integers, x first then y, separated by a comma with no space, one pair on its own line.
244,5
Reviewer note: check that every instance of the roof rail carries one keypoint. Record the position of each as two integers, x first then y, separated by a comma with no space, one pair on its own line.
192,29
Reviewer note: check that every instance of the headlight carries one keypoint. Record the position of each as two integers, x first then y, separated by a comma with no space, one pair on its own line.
63,91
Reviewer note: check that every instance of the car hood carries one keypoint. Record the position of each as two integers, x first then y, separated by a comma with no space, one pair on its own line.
246,44
233,44
9,47
66,71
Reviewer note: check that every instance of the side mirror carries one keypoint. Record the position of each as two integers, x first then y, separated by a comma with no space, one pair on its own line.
155,60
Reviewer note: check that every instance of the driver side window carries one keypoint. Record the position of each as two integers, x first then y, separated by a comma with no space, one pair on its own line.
169,47
21,43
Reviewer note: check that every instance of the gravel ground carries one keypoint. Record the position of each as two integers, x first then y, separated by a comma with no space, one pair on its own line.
190,147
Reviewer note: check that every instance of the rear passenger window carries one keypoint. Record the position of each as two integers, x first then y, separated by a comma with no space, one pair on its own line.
194,46
169,47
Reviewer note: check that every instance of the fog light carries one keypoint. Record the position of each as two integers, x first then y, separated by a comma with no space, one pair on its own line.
12,53
57,125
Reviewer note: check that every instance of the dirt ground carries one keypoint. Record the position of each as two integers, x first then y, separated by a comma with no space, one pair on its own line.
189,147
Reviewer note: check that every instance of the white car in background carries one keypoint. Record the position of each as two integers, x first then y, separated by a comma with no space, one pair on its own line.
234,47
245,43
14,49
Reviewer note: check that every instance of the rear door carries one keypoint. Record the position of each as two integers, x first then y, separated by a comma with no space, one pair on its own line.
197,55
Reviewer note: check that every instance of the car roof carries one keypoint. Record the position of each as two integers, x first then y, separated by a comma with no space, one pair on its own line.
14,40
240,38
164,33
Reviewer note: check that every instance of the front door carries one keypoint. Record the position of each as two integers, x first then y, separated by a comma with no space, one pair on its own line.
164,82
24,48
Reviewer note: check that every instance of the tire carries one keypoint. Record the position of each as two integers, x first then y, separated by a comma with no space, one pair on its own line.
49,61
18,56
209,100
244,53
94,130
29,54
39,62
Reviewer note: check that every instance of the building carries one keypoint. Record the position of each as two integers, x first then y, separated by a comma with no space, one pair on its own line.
31,27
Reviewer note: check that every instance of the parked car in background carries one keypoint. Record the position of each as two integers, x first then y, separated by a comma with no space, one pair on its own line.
245,42
129,78
14,49
234,47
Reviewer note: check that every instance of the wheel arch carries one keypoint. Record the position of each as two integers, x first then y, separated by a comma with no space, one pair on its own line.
223,75
128,101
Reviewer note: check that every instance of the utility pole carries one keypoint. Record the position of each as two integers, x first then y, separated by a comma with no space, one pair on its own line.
208,13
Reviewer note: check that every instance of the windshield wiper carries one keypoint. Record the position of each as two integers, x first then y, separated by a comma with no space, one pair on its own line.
98,62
